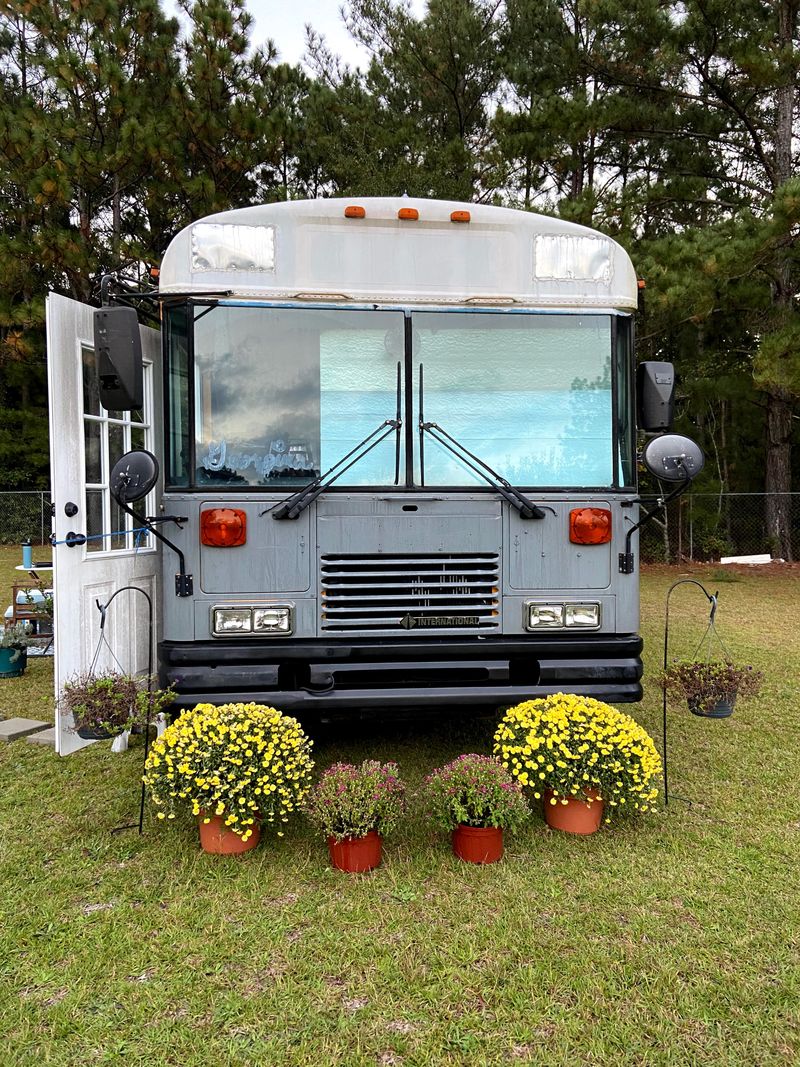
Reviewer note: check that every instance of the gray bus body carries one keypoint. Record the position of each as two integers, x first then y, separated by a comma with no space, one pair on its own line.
411,580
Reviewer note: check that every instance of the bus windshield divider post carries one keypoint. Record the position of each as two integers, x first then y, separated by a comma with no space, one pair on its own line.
399,422
526,508
421,431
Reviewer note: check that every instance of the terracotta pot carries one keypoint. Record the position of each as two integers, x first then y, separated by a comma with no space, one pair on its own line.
355,854
574,817
215,837
478,844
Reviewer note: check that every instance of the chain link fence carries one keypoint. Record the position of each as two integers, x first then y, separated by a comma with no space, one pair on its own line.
698,526
24,514
707,526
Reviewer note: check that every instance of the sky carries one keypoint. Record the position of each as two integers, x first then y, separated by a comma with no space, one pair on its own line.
285,20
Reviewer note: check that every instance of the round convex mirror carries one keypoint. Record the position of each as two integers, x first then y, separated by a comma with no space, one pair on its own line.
673,458
134,475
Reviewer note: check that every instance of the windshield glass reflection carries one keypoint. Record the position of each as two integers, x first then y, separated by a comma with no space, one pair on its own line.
281,394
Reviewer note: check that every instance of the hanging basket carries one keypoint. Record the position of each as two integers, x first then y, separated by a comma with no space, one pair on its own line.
710,708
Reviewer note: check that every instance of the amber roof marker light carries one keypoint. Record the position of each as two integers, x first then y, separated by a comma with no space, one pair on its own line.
408,214
460,216
354,211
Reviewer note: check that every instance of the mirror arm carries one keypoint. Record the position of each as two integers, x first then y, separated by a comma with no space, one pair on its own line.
626,557
184,583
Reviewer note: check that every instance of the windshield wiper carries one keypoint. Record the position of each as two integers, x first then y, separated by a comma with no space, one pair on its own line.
526,508
296,504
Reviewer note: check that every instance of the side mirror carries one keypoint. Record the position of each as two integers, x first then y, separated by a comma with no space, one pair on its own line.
673,458
670,458
655,394
118,352
133,476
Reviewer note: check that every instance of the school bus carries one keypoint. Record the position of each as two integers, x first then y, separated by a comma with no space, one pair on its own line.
400,438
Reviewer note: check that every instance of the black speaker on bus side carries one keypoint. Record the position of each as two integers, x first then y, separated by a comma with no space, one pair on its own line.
655,393
118,353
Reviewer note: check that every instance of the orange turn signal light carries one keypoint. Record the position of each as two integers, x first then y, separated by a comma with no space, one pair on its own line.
409,214
354,212
223,527
589,526
459,216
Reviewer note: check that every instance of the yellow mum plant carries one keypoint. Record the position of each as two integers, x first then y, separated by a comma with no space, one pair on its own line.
572,746
244,762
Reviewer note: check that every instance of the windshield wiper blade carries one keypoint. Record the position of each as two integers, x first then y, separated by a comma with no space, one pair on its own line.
526,508
299,501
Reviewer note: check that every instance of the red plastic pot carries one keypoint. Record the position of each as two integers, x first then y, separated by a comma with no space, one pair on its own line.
574,817
356,854
478,844
217,838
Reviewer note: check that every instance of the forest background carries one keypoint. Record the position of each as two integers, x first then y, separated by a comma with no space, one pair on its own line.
671,125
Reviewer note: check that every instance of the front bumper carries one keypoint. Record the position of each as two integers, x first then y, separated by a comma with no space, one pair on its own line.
361,676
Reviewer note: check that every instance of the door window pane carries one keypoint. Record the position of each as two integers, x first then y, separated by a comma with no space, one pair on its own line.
105,442
91,390
94,520
93,450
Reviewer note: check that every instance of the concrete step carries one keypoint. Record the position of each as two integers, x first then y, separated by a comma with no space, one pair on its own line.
11,729
43,737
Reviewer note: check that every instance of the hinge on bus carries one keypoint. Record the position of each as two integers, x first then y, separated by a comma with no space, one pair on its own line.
184,585
626,563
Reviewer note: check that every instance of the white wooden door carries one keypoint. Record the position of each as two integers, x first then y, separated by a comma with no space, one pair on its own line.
85,442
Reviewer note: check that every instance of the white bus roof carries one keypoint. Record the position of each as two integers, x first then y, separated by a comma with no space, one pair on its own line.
309,250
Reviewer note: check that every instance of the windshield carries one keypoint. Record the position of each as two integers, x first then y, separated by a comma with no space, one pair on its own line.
530,394
281,395
273,397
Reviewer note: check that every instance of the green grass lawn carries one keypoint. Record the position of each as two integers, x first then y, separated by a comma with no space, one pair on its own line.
673,940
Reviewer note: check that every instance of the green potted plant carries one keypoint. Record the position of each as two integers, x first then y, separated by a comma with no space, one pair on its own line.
14,641
151,704
584,758
101,705
475,799
236,767
354,807
711,687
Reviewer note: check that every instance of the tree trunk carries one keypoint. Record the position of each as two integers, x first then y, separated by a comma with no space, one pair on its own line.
778,482
779,407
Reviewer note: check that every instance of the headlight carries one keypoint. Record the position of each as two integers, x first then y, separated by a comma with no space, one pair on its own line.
253,620
545,615
272,620
232,620
582,615
564,616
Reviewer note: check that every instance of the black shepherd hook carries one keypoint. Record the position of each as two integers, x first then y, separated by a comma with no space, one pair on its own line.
712,599
103,609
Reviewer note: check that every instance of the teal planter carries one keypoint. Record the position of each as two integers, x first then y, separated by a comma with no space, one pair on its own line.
15,669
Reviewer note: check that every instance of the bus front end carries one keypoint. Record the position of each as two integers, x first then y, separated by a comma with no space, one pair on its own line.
404,449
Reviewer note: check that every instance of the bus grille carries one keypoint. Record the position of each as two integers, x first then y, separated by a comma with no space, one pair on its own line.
411,593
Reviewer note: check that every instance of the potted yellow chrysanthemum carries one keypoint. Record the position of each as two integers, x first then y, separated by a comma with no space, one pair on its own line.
581,756
238,767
